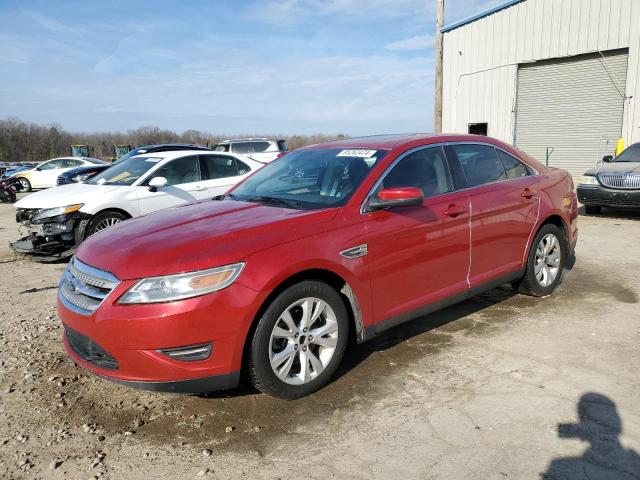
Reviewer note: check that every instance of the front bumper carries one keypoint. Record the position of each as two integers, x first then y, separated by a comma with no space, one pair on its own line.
130,338
607,197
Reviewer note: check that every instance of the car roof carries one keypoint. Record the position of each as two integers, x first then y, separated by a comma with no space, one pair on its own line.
390,141
169,155
259,139
169,146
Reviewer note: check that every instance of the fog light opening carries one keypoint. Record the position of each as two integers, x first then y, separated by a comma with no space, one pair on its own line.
189,353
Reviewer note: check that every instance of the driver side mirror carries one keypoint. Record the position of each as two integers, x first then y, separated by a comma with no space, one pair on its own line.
396,197
607,158
157,182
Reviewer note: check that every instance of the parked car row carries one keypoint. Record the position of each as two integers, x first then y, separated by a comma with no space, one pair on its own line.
237,266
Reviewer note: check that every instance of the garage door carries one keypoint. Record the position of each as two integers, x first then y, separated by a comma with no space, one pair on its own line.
571,108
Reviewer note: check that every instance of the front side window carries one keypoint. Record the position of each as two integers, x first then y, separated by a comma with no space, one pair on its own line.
51,165
319,178
126,172
514,167
425,169
180,171
480,163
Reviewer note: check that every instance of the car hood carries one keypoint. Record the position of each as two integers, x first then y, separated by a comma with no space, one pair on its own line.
65,195
197,236
615,167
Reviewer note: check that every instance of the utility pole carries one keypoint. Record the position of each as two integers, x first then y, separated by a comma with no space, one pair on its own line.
437,124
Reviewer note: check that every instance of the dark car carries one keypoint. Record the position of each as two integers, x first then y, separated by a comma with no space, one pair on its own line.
81,174
614,183
164,147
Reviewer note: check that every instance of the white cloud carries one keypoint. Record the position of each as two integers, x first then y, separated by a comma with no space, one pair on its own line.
419,42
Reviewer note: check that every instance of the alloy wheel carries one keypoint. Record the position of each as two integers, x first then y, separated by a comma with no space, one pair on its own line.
547,261
106,223
303,341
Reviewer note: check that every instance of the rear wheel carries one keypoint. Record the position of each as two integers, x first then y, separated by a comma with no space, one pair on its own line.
592,209
104,220
26,184
299,341
545,264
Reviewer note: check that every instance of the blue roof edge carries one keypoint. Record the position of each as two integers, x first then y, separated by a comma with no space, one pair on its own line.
480,15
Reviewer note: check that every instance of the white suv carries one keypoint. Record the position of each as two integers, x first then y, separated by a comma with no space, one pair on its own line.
57,220
259,149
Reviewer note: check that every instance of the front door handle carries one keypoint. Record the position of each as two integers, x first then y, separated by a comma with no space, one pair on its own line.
454,210
199,188
528,193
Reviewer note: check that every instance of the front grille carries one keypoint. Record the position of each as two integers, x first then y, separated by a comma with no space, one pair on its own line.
83,288
64,180
620,180
89,351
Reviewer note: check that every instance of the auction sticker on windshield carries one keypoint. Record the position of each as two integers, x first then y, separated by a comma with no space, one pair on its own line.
361,153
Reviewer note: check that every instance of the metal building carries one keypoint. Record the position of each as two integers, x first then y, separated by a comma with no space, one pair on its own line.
556,78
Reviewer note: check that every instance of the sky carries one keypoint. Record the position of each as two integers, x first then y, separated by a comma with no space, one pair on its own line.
356,67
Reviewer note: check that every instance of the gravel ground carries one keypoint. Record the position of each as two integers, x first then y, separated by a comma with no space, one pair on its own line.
477,391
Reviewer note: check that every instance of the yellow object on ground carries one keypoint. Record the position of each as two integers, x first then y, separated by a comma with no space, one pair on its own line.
619,146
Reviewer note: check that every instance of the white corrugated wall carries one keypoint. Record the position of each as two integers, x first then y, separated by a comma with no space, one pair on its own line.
481,58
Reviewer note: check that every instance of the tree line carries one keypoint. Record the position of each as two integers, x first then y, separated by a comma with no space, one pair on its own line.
22,141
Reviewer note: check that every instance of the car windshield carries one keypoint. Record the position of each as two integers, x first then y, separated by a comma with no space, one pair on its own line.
132,153
310,179
631,154
126,172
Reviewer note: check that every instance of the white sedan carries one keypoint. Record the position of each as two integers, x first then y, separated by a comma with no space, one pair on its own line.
45,175
59,219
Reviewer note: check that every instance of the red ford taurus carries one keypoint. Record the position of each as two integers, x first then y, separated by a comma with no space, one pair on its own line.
342,239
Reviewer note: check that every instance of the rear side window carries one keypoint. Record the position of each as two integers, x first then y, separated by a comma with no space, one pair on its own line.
514,167
221,166
222,147
425,169
480,163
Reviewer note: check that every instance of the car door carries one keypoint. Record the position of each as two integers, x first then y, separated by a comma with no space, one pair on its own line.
46,174
221,172
504,206
184,185
419,255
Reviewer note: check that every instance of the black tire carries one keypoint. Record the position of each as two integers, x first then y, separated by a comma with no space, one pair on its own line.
529,284
97,221
262,375
26,184
592,209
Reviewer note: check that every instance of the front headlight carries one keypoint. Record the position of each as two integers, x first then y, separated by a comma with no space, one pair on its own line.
182,285
54,212
588,180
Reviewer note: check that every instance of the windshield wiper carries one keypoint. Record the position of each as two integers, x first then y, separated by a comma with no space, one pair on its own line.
274,201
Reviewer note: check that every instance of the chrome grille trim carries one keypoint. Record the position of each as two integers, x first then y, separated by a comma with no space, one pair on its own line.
624,181
83,288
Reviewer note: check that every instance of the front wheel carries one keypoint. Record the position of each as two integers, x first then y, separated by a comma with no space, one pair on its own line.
103,221
299,341
26,184
545,264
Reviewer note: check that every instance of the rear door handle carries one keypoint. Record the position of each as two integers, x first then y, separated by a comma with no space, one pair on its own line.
199,188
528,193
454,210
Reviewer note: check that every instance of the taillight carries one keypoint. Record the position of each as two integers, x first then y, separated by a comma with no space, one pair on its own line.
281,154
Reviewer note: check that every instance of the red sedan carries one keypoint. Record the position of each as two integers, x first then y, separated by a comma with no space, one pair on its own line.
342,239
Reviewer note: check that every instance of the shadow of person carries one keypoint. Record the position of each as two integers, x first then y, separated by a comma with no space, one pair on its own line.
606,458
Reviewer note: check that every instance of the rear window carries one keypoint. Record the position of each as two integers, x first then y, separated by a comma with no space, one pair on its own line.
250,147
282,145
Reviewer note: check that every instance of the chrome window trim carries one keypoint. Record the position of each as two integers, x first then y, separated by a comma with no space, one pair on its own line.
363,210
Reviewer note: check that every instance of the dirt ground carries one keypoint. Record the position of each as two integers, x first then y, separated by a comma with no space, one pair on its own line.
477,391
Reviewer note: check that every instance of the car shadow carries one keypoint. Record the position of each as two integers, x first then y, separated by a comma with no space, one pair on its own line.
616,213
600,426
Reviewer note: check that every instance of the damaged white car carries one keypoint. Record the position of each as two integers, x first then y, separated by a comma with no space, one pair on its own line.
55,221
